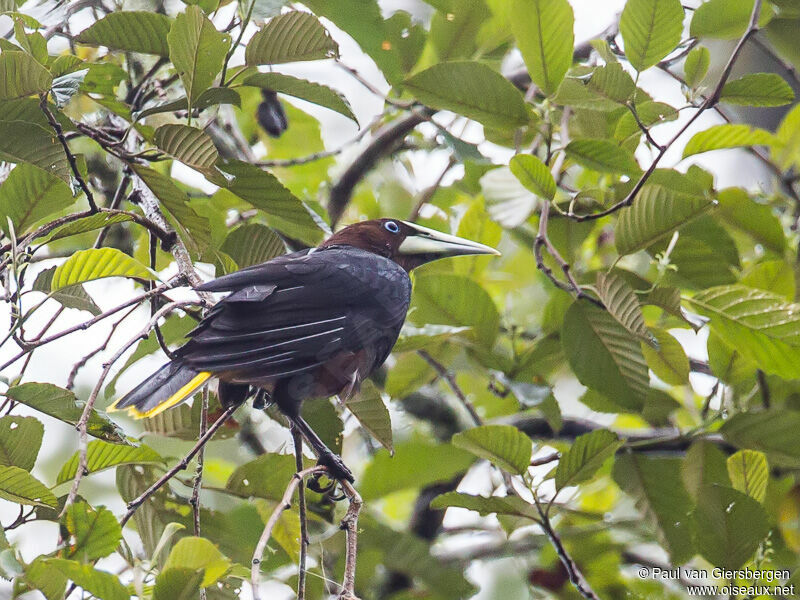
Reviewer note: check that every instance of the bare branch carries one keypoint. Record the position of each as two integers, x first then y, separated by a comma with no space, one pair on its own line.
350,526
451,381
297,437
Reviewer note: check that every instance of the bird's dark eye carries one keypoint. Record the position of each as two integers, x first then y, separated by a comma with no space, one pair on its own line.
391,226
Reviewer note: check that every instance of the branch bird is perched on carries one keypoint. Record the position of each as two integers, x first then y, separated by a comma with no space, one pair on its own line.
309,324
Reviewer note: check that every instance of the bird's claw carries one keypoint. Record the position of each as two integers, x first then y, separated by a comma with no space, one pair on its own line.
336,467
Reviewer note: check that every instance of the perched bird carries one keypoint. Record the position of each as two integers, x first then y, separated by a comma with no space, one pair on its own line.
309,324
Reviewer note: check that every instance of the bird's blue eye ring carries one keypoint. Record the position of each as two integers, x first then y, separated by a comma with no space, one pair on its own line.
391,226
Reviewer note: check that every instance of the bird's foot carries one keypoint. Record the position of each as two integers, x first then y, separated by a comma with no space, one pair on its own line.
336,467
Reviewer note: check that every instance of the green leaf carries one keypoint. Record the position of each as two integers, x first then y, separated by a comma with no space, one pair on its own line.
192,227
669,362
197,50
604,355
668,299
192,146
418,338
45,578
66,86
20,440
585,457
20,487
367,406
500,505
612,82
446,299
544,33
703,465
199,553
728,526
727,135
102,455
315,93
655,484
95,533
386,473
774,276
97,263
650,114
726,19
99,584
749,473
504,446
265,477
773,431
290,37
90,223
738,209
178,584
211,97
252,244
762,326
651,29
30,194
73,296
534,175
24,142
22,75
603,156
786,147
621,301
130,31
283,210
655,213
62,404
758,89
696,65
471,89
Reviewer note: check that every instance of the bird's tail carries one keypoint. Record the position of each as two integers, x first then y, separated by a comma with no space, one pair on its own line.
170,385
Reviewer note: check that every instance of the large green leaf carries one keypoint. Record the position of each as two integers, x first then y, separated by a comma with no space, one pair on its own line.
418,338
252,244
197,50
544,33
131,31
749,473
192,227
95,532
471,89
290,37
25,142
727,526
30,194
504,446
97,263
612,82
20,487
737,208
446,299
727,135
586,455
651,29
772,431
22,75
726,19
669,361
102,455
199,553
192,146
99,584
704,464
90,223
367,406
786,148
386,473
283,210
761,325
178,584
315,93
62,404
696,65
656,485
603,156
265,477
758,89
45,578
655,213
776,276
501,505
604,355
73,296
20,440
620,300
534,175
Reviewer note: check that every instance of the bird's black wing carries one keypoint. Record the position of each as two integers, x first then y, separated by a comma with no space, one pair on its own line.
297,312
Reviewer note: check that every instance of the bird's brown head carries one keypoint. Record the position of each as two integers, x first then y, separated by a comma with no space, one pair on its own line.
408,244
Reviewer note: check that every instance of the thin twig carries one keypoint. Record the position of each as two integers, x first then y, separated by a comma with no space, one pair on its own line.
134,504
350,526
297,437
73,163
426,194
198,474
442,371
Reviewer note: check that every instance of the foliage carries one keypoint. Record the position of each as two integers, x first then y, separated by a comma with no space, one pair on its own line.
619,387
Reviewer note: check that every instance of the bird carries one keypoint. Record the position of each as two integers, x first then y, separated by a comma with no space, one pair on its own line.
308,324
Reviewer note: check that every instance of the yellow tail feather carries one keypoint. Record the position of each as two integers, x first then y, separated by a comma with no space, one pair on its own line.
176,398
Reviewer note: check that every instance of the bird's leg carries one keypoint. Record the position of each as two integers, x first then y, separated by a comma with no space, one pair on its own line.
325,456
